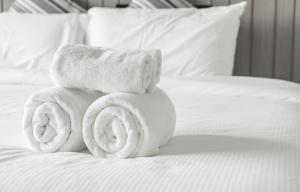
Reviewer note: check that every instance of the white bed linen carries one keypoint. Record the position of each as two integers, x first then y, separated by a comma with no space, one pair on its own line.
194,42
29,41
233,135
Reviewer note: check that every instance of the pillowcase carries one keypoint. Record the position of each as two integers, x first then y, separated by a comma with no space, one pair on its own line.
193,42
45,6
29,41
153,4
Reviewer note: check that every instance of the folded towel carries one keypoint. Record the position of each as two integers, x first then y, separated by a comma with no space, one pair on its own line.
126,125
53,119
106,70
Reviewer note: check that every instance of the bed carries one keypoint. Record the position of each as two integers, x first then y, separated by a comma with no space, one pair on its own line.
244,138
233,134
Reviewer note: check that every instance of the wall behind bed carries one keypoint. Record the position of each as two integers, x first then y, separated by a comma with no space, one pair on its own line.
269,40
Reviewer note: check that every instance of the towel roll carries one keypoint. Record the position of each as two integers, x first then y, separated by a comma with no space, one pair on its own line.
156,73
106,70
125,125
53,117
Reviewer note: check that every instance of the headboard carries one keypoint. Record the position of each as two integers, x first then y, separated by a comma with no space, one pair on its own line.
269,39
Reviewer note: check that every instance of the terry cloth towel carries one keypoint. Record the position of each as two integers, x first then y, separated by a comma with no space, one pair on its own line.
53,119
126,125
106,70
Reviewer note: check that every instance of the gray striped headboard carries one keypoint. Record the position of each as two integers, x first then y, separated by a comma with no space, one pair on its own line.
269,40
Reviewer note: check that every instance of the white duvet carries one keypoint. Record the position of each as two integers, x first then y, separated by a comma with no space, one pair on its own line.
233,134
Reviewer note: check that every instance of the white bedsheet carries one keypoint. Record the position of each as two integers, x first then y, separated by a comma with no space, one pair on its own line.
233,135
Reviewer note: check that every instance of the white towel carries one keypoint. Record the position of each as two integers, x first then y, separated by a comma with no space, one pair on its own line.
156,73
53,119
126,125
106,70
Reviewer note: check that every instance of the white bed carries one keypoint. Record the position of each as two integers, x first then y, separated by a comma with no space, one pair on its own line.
233,134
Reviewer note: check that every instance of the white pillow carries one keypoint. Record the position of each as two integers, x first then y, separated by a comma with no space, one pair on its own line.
193,42
28,41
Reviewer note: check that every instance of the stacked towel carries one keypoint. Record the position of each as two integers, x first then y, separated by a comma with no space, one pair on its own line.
53,119
156,72
132,119
126,125
106,70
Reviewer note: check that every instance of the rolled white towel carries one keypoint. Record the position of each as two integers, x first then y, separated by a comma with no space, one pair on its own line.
126,125
106,70
53,117
156,73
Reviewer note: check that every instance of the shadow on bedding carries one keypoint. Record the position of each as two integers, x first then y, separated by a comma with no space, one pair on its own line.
197,144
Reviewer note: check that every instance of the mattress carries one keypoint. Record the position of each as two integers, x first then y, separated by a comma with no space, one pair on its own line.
233,134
